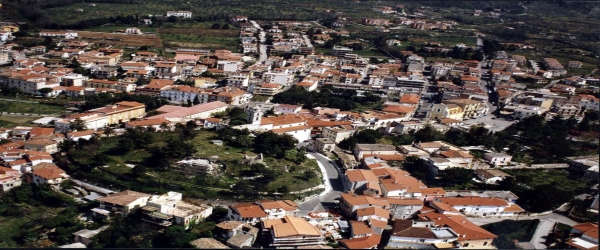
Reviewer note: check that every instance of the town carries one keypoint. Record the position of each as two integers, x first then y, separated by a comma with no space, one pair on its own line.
332,133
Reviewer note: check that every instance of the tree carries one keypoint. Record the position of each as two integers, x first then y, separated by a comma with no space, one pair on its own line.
417,167
78,125
225,26
74,63
177,237
108,131
456,176
45,91
272,144
366,136
196,100
215,26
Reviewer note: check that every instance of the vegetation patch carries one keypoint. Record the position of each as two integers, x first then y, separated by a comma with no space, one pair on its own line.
510,231
30,108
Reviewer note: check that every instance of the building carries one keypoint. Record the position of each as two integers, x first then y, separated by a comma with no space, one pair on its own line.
497,159
50,175
469,107
124,202
9,178
337,135
278,209
208,243
441,110
470,236
341,51
86,236
269,89
246,212
587,236
177,114
168,209
287,109
323,145
361,181
491,176
42,144
369,242
476,206
360,150
180,13
421,235
292,232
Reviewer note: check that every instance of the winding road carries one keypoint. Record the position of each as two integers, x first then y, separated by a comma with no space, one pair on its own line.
332,190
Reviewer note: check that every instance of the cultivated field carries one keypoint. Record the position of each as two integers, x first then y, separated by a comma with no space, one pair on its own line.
121,39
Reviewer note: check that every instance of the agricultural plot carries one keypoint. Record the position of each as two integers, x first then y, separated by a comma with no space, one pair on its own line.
453,40
201,38
121,39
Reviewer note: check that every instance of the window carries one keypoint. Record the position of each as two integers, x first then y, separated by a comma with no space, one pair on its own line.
422,240
485,243
466,245
476,208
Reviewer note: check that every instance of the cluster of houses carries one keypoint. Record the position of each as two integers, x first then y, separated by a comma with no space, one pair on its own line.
378,198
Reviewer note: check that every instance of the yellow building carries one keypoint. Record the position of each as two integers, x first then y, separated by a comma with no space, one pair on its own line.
203,82
468,106
10,28
441,110
122,112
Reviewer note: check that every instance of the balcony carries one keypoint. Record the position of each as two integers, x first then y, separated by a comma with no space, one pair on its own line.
151,215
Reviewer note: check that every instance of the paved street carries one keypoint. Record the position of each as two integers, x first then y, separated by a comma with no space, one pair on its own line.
263,47
496,124
332,191
543,229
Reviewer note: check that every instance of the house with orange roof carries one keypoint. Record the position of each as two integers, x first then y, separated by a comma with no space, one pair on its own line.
469,234
292,232
278,209
358,180
308,86
402,110
176,114
9,178
287,109
587,236
337,133
246,212
478,206
124,202
420,235
360,229
360,150
38,132
51,175
349,203
76,136
269,89
411,100
43,144
156,124
369,242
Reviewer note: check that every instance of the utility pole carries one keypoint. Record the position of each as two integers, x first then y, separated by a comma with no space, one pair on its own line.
573,208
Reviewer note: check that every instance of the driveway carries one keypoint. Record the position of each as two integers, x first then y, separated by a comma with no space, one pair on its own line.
334,186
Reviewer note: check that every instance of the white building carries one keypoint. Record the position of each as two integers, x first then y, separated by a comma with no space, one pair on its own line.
497,159
180,13
282,78
229,66
93,121
169,209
